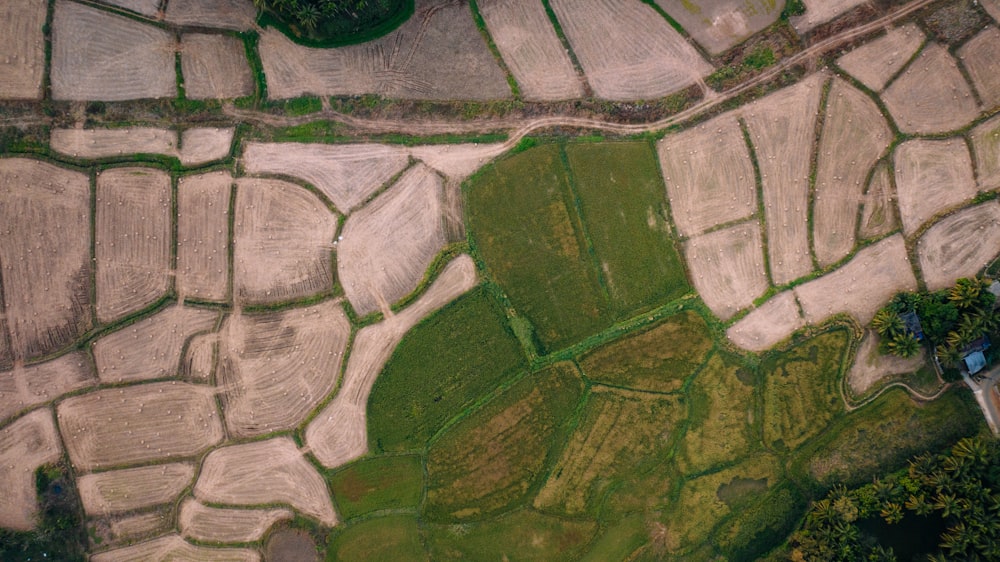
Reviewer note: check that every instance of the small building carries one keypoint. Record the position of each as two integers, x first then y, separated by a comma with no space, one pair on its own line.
911,322
975,362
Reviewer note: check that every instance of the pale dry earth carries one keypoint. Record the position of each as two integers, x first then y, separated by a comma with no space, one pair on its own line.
727,267
199,358
931,177
718,25
128,527
25,445
214,66
457,161
172,548
878,211
102,143
980,56
768,324
986,148
876,62
992,7
932,82
959,245
870,366
219,525
203,236
117,491
201,145
22,48
25,387
821,11
238,15
148,8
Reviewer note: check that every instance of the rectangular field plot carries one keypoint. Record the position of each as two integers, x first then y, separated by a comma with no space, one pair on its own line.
203,236
102,143
727,267
22,49
374,484
931,177
718,25
979,56
878,213
173,547
28,443
522,535
238,15
986,147
768,324
959,245
214,66
29,386
875,62
212,524
133,488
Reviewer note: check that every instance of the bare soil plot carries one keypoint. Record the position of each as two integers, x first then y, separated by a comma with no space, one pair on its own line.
214,66
265,472
215,525
531,49
45,255
128,527
22,48
26,387
199,359
768,324
173,547
147,8
203,145
727,267
870,366
238,15
959,245
875,62
386,246
861,286
25,445
203,236
986,147
116,491
931,95
102,143
992,8
627,50
980,57
822,11
854,136
346,173
878,215
276,367
457,161
931,177
150,348
140,423
709,175
718,25
782,127
437,54
338,434
132,225
284,241
97,55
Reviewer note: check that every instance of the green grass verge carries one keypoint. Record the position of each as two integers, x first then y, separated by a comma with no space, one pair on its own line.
619,540
378,483
393,538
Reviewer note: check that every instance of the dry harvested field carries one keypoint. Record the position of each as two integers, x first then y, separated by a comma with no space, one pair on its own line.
986,146
727,267
767,325
211,524
862,285
992,7
199,358
132,226
26,387
718,25
822,11
878,215
102,143
709,175
214,66
276,367
387,246
97,55
959,245
782,127
45,255
931,177
854,136
284,242
457,161
203,236
870,366
265,472
202,145
127,527
627,50
116,491
173,547
531,49
347,174
25,445
238,15
22,48
875,62
980,57
338,434
150,348
931,95
145,7
141,423
437,54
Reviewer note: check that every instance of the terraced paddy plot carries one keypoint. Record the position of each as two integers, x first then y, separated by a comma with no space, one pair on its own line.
104,143
147,8
986,148
276,367
782,127
22,49
524,534
494,458
658,359
201,145
931,82
727,267
265,472
979,55
394,537
878,212
801,389
768,324
173,547
45,255
214,66
718,25
627,50
877,61
137,424
26,444
932,176
218,525
386,247
871,366
284,240
132,226
960,245
854,136
150,348
203,236
821,11
25,387
528,43
130,527
377,483
621,201
709,175
437,54
97,55
116,491
238,15
198,363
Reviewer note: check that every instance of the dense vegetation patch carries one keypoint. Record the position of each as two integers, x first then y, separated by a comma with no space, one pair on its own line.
374,484
330,23
60,534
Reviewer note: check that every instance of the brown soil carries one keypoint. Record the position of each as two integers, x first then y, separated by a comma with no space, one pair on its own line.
25,445
290,546
203,236
214,66
215,525
878,212
199,359
986,146
980,57
238,15
26,387
128,527
173,547
22,49
116,491
767,325
203,145
870,366
101,143
960,245
916,98
720,24
875,62
821,11
727,267
147,8
932,176
457,161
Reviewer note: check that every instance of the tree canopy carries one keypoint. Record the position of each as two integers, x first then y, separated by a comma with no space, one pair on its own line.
337,21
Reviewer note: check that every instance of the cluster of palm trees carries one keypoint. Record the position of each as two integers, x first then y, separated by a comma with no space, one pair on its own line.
308,14
962,487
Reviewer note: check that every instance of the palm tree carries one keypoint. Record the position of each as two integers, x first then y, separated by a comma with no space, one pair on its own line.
887,323
948,355
947,503
965,293
308,15
904,345
918,504
892,512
